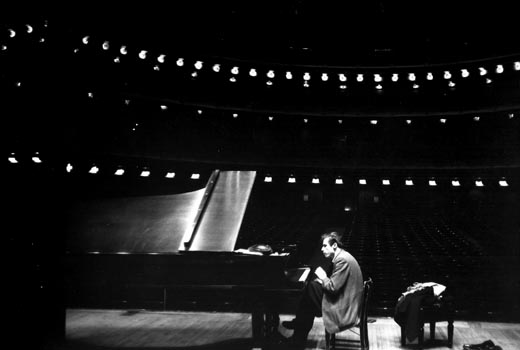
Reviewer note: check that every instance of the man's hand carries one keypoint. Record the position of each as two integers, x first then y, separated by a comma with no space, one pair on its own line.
320,273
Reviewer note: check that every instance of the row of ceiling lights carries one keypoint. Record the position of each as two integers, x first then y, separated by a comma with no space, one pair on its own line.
270,74
378,78
235,115
145,172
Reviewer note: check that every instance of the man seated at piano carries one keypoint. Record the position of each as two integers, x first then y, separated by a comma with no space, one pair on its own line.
335,296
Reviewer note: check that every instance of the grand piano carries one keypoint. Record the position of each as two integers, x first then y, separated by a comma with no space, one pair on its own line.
179,251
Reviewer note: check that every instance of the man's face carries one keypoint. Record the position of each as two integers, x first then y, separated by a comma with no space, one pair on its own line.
327,249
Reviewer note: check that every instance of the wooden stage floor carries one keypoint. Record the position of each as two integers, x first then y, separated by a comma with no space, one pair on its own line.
141,329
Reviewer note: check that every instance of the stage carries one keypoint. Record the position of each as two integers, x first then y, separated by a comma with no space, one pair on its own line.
141,329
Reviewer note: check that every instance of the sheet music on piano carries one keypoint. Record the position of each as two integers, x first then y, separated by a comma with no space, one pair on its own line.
298,275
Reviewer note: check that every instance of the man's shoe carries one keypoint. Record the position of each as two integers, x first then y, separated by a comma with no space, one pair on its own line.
289,324
486,345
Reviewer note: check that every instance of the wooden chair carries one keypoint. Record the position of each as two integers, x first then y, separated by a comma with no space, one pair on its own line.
440,311
330,339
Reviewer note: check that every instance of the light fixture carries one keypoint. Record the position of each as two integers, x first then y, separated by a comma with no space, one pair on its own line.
170,175
29,28
503,183
479,183
359,78
252,72
516,65
362,181
306,76
106,45
324,77
68,167
123,50
198,65
291,179
455,183
12,159
451,84
373,122
395,77
164,107
442,120
94,170
216,68
386,182
339,181
315,180
36,159
234,70
379,86
432,182
500,69
161,58
408,121
415,86
288,75
270,74
119,172
464,73
342,77
85,39
145,173
411,76
482,70
142,54
408,182
268,178
447,74
195,176
476,118
180,62
378,78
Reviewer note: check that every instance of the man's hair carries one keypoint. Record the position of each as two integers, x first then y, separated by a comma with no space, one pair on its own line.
332,237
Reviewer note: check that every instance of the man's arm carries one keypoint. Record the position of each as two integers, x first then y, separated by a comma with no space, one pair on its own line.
338,278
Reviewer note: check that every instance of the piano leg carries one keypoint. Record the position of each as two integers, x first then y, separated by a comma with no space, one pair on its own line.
265,328
258,327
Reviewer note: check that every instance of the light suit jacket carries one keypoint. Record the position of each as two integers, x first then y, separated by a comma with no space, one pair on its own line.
342,293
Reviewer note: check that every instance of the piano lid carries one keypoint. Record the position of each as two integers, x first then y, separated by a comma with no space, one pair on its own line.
142,224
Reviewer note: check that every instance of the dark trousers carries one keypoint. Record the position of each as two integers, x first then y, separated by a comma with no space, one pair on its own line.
310,307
